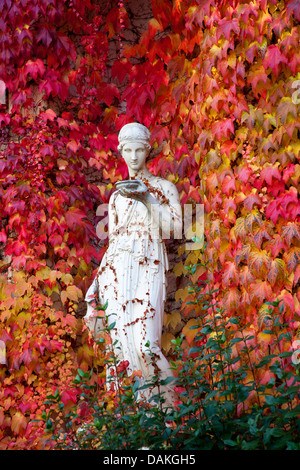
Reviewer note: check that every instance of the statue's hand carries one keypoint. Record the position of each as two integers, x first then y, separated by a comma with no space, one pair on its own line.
135,190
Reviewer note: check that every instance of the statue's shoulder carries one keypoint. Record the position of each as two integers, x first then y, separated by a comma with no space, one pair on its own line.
166,184
113,196
167,188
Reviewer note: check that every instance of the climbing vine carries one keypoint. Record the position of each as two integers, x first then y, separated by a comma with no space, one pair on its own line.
216,83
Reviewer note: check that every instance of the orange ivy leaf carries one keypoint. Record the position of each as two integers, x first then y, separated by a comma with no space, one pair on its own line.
200,270
277,270
292,258
228,146
259,260
257,74
232,299
189,332
253,218
228,184
262,233
246,277
297,275
18,423
230,274
260,290
289,231
212,182
264,338
240,228
275,245
215,229
243,253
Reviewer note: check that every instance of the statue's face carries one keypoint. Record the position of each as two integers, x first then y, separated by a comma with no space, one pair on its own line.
135,154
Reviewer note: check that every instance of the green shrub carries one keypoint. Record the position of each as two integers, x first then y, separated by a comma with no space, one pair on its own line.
230,394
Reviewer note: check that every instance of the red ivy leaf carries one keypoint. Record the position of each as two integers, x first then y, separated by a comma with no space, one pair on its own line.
3,236
120,69
226,26
252,199
35,68
44,36
269,172
273,58
74,216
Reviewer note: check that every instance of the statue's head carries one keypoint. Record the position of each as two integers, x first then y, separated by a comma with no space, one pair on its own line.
134,132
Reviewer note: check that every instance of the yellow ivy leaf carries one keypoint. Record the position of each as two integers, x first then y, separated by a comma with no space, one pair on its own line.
173,319
224,245
181,294
193,257
71,293
253,218
67,278
181,249
264,338
240,228
166,342
179,269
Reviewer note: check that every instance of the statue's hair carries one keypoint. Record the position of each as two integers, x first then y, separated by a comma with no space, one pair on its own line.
134,132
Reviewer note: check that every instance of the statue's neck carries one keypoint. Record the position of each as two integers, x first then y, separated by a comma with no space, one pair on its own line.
142,174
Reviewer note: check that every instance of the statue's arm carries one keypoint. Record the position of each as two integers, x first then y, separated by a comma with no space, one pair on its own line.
167,213
93,290
112,215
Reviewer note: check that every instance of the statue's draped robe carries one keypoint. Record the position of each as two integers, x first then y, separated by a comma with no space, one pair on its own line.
132,279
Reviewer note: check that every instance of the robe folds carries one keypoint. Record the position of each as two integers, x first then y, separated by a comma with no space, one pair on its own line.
132,280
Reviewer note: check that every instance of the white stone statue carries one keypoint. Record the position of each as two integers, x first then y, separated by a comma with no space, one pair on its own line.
132,275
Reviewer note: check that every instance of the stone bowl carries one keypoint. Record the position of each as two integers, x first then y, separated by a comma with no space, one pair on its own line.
130,184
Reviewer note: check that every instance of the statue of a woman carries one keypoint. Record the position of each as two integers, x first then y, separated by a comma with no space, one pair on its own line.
132,274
